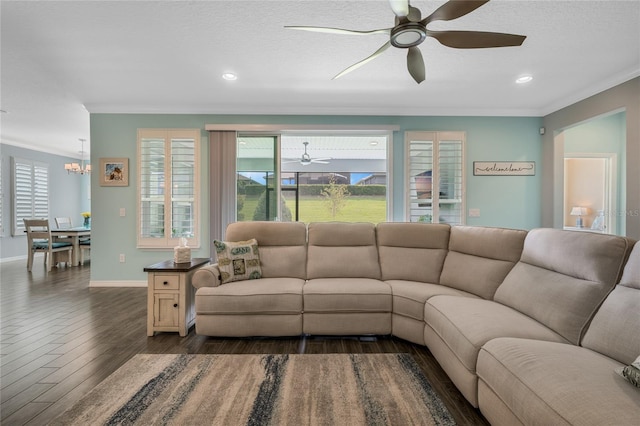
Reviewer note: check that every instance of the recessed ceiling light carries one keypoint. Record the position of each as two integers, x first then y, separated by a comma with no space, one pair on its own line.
373,143
229,76
524,79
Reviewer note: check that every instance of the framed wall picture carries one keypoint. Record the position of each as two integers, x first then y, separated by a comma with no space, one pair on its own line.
114,172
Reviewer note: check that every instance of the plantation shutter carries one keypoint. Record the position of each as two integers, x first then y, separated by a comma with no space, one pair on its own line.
183,187
450,182
30,192
168,187
435,177
152,184
420,180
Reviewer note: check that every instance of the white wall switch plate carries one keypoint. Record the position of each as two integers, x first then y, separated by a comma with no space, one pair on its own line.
474,212
123,212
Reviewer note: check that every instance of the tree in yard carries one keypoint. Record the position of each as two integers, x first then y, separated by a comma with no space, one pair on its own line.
335,196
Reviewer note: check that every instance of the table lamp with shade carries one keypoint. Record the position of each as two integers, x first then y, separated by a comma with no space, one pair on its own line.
579,211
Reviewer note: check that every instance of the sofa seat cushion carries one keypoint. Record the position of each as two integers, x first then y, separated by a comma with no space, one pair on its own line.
549,383
465,324
409,297
330,295
261,296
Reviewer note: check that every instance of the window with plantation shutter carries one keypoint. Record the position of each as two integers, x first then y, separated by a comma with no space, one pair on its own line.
168,187
435,177
30,192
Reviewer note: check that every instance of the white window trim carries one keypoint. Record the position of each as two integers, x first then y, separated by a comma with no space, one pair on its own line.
168,241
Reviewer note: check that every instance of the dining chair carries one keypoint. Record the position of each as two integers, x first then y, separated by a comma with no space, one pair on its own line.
85,246
39,240
63,223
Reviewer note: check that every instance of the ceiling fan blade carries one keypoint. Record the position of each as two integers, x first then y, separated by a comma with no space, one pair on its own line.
414,14
400,7
319,162
338,30
453,9
476,39
415,64
364,61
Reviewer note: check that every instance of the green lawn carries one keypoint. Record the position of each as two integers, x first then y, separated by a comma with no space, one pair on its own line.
356,209
313,209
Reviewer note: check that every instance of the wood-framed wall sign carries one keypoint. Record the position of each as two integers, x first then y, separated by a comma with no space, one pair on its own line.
114,172
504,168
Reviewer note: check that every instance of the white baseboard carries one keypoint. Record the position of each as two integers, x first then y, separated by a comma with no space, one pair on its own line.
11,259
128,283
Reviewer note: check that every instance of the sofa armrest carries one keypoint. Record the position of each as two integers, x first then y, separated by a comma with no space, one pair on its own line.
207,276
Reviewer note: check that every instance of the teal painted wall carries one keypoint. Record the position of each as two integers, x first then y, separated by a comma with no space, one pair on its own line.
512,202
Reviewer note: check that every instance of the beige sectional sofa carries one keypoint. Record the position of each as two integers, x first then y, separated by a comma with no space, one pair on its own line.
530,326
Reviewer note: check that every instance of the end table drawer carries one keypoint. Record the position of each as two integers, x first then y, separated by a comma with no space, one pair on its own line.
166,282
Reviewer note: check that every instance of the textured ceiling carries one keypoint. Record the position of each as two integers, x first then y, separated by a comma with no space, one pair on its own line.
62,60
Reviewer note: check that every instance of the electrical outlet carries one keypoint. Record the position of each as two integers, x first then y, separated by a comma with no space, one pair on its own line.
122,258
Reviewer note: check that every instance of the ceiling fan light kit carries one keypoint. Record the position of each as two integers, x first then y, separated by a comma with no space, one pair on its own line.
408,35
410,31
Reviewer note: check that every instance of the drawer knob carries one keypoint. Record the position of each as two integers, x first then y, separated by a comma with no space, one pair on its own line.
175,305
165,282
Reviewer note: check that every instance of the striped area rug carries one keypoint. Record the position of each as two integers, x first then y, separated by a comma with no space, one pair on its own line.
327,389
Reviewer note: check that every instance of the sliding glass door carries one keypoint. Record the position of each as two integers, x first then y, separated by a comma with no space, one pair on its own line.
257,178
311,177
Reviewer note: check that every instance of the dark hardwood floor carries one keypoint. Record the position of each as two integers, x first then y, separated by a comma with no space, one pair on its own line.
60,338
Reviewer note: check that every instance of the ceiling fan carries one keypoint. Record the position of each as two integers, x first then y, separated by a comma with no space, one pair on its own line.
306,159
410,30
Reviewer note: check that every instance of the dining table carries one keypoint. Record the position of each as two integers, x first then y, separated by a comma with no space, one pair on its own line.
74,234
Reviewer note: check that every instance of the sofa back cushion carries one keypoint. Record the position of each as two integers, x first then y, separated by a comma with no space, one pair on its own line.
563,276
479,258
342,250
412,251
282,246
615,329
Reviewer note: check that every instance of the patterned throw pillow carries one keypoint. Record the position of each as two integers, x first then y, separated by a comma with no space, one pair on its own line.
238,260
631,372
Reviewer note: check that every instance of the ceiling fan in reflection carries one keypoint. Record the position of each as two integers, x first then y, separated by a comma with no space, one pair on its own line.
306,159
